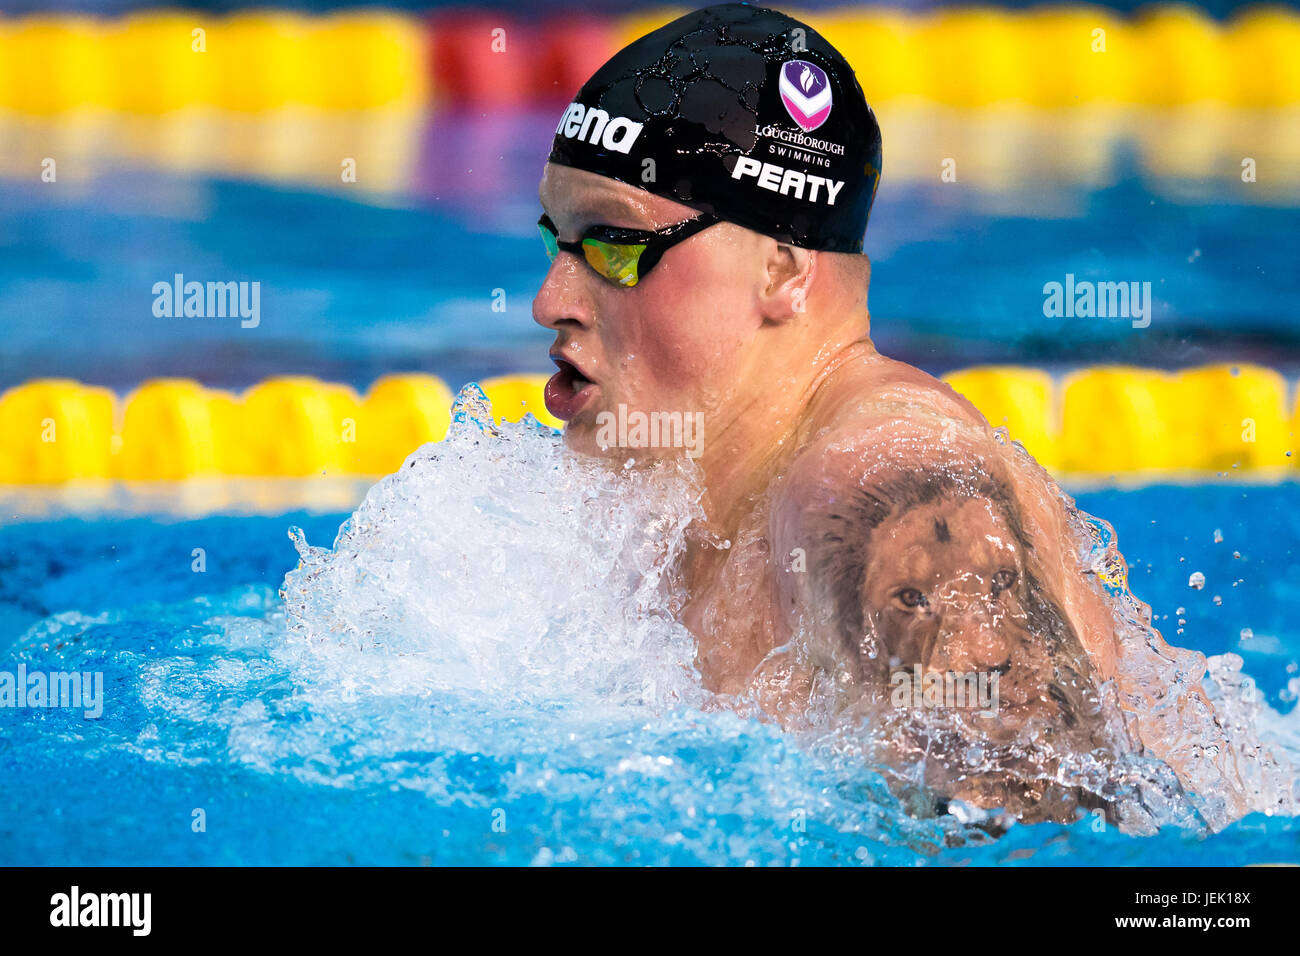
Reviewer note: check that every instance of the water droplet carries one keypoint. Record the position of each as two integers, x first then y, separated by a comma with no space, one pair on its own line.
300,544
1247,633
1197,580
1218,536
1218,600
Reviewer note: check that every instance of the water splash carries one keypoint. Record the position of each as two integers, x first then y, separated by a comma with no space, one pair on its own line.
494,562
499,596
1203,717
407,606
392,665
399,642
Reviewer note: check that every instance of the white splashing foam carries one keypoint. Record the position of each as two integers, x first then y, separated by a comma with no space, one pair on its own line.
494,562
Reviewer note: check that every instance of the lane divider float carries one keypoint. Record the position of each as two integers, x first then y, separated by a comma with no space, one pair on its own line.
156,61
1103,421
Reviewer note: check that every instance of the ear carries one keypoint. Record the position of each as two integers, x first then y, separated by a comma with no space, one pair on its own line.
789,277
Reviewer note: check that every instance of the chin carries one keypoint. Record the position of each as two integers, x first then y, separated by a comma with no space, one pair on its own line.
580,437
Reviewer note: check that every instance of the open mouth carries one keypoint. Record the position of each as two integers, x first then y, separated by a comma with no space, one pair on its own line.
568,391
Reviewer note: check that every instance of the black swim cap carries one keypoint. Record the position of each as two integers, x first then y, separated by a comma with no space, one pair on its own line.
739,111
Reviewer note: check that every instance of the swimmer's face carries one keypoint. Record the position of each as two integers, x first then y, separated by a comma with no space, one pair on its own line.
945,587
672,343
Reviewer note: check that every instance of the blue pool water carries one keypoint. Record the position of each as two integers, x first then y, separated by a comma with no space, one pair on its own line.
614,786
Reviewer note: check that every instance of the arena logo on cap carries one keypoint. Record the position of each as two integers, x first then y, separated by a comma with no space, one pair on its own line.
806,93
597,127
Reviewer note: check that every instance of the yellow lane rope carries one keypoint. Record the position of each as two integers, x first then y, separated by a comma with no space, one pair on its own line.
157,61
1102,421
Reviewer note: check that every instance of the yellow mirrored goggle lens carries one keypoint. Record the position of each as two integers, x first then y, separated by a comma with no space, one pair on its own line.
615,262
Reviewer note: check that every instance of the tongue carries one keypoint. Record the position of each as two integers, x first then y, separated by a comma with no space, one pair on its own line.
575,379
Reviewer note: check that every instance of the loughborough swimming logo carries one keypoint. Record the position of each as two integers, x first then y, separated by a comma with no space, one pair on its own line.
806,93
597,127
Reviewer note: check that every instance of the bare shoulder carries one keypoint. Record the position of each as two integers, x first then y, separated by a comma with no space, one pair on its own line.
881,436
880,388
890,445
881,416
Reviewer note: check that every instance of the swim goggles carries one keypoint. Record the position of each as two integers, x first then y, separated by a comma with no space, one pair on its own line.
623,256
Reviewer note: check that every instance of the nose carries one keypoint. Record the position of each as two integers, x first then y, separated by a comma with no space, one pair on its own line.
564,300
970,635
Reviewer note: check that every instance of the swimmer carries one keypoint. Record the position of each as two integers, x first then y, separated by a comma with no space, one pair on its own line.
704,207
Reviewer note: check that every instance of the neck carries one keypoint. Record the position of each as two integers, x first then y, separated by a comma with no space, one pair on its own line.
761,430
